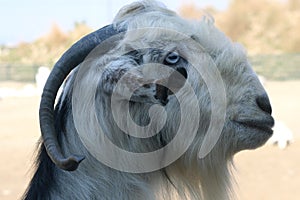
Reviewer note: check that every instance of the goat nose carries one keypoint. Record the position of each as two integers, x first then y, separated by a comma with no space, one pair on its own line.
161,94
264,103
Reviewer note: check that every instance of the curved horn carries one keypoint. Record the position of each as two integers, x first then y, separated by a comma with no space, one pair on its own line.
69,60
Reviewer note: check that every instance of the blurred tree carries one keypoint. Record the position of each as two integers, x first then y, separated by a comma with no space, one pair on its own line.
263,26
55,37
47,49
294,5
80,29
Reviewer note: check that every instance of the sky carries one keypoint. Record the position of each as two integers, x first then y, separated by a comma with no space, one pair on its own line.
25,21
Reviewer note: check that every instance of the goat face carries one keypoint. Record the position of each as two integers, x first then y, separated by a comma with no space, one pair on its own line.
234,91
165,60
148,68
152,93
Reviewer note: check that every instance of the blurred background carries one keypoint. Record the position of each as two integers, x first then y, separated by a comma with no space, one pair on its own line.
34,34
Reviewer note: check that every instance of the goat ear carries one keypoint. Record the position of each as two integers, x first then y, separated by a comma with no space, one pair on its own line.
138,8
129,10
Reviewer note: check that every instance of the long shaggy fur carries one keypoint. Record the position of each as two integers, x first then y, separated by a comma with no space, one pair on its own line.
187,178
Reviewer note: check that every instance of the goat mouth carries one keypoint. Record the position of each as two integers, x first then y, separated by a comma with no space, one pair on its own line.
265,129
173,84
263,125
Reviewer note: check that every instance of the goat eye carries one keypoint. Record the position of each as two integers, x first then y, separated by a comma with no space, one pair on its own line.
172,58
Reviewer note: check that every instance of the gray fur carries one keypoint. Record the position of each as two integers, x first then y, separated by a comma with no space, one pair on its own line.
189,177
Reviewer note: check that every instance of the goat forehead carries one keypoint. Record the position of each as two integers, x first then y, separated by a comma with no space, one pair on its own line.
153,55
169,40
148,51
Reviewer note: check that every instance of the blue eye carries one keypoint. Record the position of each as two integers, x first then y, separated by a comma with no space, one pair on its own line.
172,58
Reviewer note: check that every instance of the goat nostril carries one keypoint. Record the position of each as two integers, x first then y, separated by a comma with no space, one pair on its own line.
161,94
264,103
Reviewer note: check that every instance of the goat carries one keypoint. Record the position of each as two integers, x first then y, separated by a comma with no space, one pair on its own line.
138,109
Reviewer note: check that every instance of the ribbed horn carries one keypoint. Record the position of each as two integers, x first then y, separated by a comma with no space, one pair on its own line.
69,60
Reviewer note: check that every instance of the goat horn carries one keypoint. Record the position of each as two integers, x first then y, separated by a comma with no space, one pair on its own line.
69,60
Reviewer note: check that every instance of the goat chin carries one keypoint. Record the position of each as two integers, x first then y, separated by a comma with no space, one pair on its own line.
206,74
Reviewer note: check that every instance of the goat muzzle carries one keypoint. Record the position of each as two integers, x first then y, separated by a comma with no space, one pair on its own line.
170,85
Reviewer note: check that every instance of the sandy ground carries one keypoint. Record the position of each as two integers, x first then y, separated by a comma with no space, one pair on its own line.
262,174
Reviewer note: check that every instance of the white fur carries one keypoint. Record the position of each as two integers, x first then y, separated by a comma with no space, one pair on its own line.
189,177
